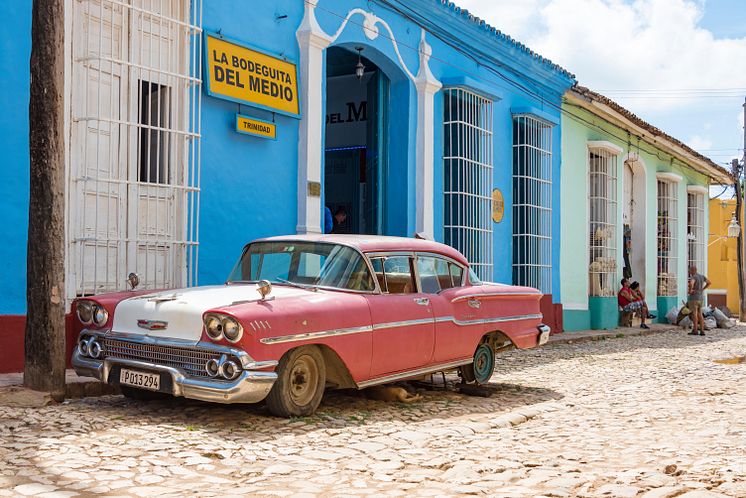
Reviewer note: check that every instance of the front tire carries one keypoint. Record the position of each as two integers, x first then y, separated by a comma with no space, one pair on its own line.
301,377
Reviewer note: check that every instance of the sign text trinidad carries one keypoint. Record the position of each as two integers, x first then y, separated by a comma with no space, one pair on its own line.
242,74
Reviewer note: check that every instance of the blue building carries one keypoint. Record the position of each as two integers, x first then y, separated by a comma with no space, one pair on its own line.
192,128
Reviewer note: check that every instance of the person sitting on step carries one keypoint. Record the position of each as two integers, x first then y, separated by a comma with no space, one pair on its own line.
630,302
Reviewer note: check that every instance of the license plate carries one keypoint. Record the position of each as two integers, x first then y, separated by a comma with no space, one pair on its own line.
140,379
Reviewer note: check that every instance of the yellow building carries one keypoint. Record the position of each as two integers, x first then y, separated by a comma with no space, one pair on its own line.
722,269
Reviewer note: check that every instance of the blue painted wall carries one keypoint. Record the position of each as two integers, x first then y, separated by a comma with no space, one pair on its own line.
248,185
15,51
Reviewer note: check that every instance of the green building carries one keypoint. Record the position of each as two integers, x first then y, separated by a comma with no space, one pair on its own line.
634,204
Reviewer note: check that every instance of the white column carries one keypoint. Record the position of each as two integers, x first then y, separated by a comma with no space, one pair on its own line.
312,41
427,85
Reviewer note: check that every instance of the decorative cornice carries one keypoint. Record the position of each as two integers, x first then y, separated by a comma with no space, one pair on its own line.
697,189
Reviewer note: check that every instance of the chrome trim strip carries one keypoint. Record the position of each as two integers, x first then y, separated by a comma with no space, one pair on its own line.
315,335
464,323
390,325
412,373
403,323
494,294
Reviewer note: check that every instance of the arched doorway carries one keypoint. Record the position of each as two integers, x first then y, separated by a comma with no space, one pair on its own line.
634,220
355,155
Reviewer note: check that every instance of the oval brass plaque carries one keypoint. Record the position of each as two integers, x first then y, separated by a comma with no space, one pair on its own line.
498,205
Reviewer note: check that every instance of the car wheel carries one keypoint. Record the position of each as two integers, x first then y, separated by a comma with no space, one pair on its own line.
481,369
142,394
301,377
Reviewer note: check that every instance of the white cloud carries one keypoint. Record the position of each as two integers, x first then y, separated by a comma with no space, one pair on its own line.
624,45
697,142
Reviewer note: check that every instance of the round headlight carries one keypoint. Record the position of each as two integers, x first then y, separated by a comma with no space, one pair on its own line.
230,370
214,327
232,329
84,310
100,315
83,347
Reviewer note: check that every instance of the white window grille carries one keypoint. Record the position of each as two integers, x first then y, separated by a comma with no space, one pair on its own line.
667,238
602,200
696,230
134,144
467,186
532,202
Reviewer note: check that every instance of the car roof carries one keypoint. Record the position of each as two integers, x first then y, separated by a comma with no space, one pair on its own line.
376,243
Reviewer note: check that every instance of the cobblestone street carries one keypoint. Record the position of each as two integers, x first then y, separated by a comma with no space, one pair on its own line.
649,416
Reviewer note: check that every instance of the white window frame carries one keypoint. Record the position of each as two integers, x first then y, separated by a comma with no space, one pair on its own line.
603,167
532,202
667,243
148,227
467,185
696,238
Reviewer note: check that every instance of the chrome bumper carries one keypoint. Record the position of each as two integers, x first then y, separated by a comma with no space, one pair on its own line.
544,331
251,386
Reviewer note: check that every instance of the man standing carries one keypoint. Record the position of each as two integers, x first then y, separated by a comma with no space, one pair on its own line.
697,285
630,302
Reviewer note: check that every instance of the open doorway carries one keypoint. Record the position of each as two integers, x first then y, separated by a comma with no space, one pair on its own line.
355,155
634,221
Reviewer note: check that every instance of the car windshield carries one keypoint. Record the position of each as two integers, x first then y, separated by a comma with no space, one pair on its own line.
303,263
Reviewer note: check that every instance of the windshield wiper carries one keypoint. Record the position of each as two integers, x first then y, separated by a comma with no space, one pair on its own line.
295,284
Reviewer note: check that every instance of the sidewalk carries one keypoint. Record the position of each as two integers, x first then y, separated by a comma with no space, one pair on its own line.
600,335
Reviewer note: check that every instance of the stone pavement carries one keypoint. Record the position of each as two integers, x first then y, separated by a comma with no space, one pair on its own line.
649,416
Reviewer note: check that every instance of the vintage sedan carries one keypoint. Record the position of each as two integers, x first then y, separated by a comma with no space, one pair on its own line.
299,314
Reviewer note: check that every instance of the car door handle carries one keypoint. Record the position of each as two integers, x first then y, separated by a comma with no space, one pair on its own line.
474,303
422,301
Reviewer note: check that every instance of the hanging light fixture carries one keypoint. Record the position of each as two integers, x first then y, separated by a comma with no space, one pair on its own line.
360,67
734,230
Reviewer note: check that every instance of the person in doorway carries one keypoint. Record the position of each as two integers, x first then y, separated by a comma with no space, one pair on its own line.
630,302
635,287
328,220
697,285
339,219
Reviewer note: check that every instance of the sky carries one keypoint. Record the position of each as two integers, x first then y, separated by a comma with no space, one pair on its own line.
678,64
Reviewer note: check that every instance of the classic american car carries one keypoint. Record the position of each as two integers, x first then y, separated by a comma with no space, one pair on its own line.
299,314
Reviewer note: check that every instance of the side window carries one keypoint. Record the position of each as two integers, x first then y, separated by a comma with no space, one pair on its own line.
436,274
457,274
377,264
398,275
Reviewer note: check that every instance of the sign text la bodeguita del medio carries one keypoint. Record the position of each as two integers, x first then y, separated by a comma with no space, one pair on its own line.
242,74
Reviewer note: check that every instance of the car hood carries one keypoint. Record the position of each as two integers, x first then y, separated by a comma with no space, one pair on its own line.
177,314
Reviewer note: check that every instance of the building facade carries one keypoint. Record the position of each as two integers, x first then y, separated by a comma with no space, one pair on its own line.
722,256
194,127
639,204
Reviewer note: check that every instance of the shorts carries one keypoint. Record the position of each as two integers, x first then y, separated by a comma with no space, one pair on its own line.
633,306
695,306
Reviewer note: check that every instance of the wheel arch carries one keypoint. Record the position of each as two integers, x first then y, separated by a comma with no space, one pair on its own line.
499,340
337,373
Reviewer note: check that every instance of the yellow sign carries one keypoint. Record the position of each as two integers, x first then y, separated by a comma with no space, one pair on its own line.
241,74
498,205
256,127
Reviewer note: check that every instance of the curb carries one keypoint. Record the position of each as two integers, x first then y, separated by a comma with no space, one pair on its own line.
568,338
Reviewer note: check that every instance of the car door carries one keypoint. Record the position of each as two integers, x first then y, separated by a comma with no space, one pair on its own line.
401,316
459,323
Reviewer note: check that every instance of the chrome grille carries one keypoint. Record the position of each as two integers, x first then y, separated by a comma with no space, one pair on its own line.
190,360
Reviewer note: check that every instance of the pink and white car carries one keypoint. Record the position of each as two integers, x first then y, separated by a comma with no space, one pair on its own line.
299,314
